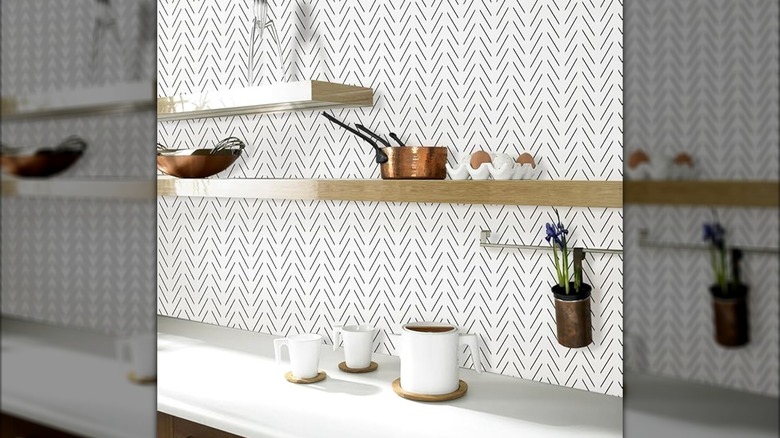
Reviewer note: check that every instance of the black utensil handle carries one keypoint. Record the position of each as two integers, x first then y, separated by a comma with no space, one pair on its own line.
381,156
579,256
351,129
373,134
397,139
736,265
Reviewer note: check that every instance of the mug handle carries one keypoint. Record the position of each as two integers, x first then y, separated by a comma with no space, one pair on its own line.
396,339
336,335
278,343
471,341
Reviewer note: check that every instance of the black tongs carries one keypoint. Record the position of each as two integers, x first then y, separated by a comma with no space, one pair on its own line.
381,157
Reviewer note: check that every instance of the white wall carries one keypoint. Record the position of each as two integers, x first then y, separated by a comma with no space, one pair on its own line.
542,77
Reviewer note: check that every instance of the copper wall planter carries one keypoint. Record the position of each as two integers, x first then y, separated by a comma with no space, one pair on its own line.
731,316
572,316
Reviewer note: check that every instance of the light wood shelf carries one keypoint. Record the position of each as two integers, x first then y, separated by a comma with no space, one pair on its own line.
104,99
522,192
131,189
703,193
285,96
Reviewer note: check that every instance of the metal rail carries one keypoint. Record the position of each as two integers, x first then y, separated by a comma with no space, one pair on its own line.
645,242
484,241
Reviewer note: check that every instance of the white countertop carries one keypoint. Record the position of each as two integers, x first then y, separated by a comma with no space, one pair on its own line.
68,379
665,407
227,379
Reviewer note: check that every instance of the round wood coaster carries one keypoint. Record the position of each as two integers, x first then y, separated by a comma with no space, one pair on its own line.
343,367
292,379
141,380
458,393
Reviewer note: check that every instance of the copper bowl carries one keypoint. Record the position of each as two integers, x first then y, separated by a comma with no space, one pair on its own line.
415,162
197,165
40,164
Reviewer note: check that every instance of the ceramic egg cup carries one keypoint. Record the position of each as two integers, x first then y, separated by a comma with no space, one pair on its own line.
662,171
486,171
681,172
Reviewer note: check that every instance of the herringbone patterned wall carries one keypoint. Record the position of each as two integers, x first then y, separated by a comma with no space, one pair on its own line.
46,45
86,264
77,262
544,77
702,76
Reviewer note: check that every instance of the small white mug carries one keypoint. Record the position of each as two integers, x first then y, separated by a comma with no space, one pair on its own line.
358,343
140,353
304,352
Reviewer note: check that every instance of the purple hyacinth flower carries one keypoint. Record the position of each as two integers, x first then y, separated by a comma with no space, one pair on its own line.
553,234
715,234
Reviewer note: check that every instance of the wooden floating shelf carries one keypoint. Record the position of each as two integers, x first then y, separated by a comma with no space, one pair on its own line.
85,189
278,97
523,192
703,193
105,99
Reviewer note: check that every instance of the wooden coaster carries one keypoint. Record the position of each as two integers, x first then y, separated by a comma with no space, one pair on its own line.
141,380
343,367
292,379
458,393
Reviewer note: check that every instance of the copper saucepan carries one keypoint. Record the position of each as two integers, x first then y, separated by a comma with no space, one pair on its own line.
404,162
415,162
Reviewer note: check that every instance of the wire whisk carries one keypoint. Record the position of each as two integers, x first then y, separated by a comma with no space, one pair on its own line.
260,22
105,23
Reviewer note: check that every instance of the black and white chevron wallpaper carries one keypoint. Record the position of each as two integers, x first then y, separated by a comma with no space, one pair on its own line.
702,76
545,77
81,263
47,45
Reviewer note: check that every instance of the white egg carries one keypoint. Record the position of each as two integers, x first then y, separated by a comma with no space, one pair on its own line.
500,160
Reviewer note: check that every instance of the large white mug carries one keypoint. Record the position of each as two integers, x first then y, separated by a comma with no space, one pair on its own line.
139,353
358,343
304,352
429,357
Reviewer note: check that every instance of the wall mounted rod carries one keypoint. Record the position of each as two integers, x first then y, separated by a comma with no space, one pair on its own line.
645,242
484,241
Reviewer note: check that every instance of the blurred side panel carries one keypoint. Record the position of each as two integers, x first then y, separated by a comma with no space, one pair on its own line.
78,217
701,105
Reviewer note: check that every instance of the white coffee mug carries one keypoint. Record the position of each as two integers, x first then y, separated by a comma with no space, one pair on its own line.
140,353
358,344
304,354
429,357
